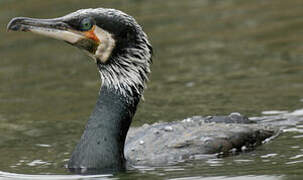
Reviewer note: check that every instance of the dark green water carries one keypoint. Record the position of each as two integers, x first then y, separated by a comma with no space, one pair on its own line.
211,57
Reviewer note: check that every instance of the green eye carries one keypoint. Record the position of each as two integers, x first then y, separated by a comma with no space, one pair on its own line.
86,24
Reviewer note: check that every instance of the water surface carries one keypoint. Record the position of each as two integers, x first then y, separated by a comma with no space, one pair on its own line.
211,58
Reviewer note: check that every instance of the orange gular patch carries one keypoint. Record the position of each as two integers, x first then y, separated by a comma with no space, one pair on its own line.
91,34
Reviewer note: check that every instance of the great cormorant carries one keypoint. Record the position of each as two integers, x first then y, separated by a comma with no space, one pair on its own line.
123,56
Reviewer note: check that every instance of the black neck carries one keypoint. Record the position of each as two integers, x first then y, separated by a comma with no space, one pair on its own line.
102,143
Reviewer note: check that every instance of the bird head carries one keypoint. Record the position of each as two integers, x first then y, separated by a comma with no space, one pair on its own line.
112,38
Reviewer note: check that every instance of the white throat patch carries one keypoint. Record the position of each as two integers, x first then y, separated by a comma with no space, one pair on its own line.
106,46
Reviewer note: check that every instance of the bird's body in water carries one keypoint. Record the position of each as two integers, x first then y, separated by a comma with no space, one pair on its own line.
123,56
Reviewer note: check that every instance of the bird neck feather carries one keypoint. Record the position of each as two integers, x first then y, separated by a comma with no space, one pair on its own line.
128,72
102,143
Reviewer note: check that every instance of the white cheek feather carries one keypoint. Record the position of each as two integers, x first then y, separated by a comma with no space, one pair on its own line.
132,77
107,44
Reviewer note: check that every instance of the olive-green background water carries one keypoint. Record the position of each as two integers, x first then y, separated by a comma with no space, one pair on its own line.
211,57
